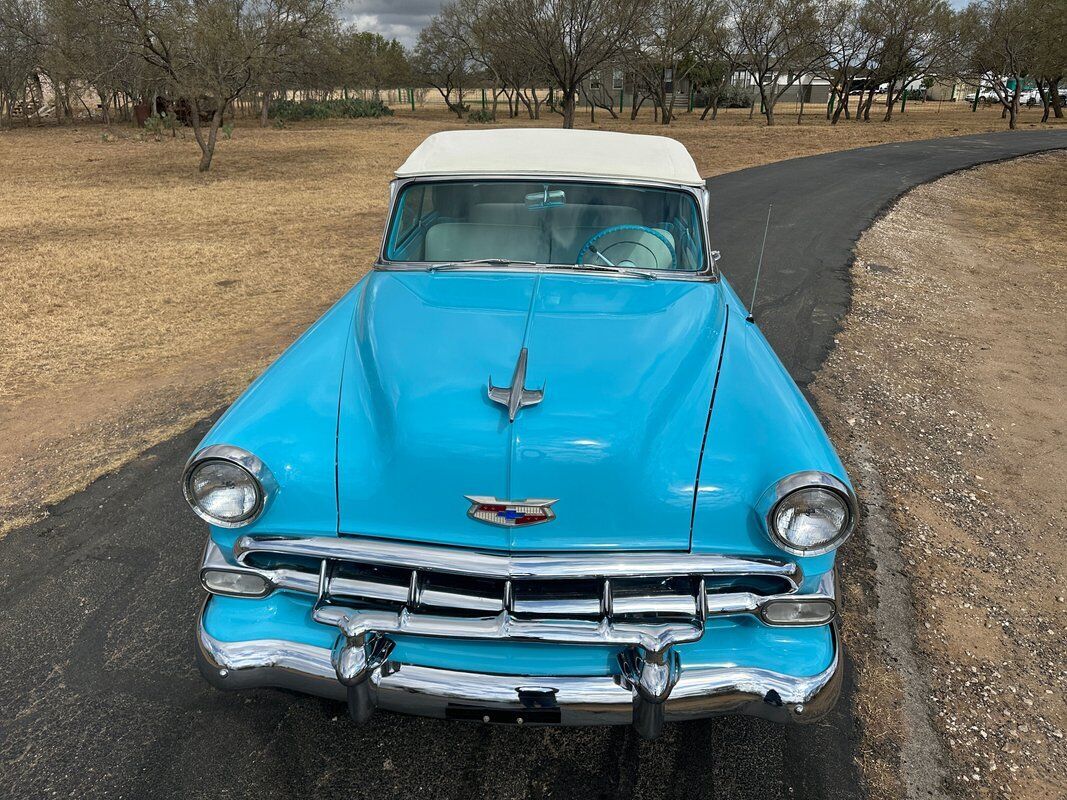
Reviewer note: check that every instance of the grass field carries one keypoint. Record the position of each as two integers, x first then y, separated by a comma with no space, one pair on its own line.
139,295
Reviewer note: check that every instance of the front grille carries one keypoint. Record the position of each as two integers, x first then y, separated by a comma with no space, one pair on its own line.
349,583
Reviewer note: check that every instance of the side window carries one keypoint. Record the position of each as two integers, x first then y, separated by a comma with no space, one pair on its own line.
408,217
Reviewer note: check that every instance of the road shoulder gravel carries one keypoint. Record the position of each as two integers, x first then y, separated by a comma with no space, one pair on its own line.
945,394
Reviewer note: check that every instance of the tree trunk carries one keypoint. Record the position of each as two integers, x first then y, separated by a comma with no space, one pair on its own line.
568,107
207,146
768,106
104,113
800,91
264,111
1054,97
867,105
1045,107
712,101
890,100
842,103
1013,111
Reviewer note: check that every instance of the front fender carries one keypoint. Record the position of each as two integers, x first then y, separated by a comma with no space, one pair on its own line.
760,429
288,418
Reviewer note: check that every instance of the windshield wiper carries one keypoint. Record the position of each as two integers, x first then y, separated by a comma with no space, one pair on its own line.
482,262
619,270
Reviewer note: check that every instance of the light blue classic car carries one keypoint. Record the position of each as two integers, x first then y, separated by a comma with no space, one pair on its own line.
538,467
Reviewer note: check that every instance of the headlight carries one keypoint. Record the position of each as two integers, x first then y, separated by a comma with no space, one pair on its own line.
809,513
226,485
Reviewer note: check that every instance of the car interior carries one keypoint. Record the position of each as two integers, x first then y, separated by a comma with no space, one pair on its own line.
519,221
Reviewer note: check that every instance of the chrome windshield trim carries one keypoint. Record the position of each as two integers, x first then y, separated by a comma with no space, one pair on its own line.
486,564
699,193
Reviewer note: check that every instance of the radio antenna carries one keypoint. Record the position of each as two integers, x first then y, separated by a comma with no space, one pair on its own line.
759,266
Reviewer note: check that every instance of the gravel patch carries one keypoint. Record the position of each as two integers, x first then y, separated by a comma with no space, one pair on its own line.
948,381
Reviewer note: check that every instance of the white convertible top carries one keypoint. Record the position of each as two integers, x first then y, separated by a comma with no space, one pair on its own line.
557,152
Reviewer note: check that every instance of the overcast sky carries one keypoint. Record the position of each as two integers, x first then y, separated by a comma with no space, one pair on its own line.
402,19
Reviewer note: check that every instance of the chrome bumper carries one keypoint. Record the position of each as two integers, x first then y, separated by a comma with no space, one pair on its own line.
537,700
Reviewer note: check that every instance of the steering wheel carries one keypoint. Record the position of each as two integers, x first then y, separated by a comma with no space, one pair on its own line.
626,247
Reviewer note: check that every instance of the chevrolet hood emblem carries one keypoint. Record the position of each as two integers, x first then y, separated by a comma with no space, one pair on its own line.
516,396
510,513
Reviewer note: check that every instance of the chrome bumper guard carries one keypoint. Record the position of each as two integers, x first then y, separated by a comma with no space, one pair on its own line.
650,687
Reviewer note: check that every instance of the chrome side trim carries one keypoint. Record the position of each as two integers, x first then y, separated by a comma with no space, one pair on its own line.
582,700
486,564
266,484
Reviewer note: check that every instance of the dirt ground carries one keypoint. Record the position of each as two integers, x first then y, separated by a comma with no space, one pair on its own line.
138,295
949,379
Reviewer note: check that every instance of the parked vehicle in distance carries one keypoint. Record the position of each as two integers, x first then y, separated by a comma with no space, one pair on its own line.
538,467
986,96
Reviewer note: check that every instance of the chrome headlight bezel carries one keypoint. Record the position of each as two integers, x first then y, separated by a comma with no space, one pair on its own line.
252,465
771,500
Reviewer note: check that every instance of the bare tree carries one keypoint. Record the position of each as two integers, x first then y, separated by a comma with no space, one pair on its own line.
659,43
443,61
568,39
915,37
709,66
850,46
213,50
1048,19
20,45
998,38
776,42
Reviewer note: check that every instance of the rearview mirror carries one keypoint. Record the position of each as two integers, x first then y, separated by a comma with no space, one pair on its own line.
546,199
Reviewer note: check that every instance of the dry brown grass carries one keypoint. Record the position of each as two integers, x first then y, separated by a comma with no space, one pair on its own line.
138,295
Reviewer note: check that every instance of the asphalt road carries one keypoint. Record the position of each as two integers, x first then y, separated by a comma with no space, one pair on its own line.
821,205
98,689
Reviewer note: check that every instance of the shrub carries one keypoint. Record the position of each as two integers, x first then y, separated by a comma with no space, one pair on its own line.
352,108
482,116
737,97
154,126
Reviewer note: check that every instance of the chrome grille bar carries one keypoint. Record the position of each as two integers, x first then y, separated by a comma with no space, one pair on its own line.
652,636
372,595
484,564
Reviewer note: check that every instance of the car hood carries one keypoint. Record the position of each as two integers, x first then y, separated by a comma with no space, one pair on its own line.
627,367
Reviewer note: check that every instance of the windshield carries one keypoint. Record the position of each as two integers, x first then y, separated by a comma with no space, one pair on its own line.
561,224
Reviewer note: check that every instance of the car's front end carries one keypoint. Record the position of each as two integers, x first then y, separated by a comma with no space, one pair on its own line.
566,484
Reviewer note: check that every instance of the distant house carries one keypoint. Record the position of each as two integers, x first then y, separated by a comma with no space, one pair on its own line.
613,86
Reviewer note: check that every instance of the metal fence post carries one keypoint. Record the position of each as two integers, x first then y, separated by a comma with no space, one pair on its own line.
411,97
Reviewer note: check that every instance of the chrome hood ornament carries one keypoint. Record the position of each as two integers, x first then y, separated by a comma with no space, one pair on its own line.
516,396
510,513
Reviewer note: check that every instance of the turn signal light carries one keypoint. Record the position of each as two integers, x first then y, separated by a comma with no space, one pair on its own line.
239,584
798,612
